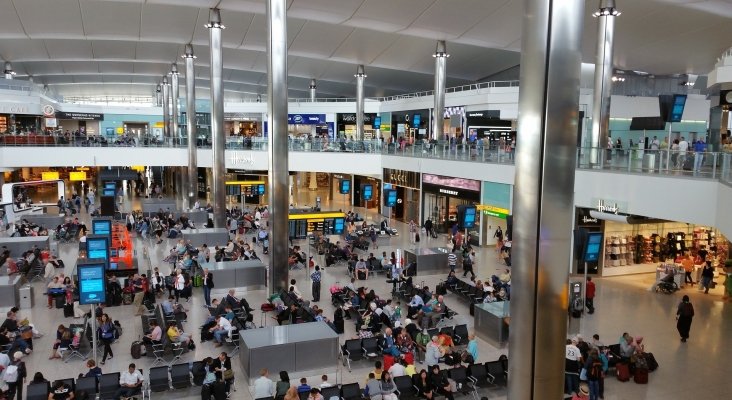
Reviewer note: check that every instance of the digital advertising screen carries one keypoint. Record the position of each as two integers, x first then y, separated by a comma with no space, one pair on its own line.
260,189
345,186
108,192
102,227
592,249
97,247
338,226
390,197
469,217
417,120
110,185
92,282
233,190
367,192
377,122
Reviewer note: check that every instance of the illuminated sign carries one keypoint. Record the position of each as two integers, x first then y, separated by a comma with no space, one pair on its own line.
92,282
77,176
452,192
49,176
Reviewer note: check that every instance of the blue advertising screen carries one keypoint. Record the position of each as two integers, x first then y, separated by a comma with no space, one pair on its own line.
91,283
260,189
677,110
97,248
367,192
108,192
377,122
110,185
390,198
592,249
417,120
469,217
102,227
345,186
338,226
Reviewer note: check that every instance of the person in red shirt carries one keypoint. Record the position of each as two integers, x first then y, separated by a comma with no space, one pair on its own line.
590,296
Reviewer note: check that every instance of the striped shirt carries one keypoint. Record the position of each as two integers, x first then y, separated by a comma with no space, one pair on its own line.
452,259
315,276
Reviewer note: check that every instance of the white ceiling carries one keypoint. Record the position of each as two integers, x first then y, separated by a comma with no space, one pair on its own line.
113,47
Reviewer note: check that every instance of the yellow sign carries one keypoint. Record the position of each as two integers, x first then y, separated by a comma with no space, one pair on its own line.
319,216
385,127
77,176
159,124
49,176
244,183
120,130
485,207
138,168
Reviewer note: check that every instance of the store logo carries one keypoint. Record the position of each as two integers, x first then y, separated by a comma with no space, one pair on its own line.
237,159
606,208
589,220
297,119
451,192
48,110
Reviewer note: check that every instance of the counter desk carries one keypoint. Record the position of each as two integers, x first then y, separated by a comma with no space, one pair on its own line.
430,261
491,322
249,274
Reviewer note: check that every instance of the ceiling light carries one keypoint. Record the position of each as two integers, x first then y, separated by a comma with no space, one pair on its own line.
606,9
360,72
689,83
214,17
441,50
618,79
189,52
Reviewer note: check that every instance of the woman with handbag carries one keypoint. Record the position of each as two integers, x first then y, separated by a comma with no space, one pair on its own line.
106,335
222,366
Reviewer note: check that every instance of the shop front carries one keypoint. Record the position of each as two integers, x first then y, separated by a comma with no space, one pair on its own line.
20,118
407,185
441,195
203,127
494,209
453,121
366,192
86,124
243,124
340,193
346,125
411,125
487,125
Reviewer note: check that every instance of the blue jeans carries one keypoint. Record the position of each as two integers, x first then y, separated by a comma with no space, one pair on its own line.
218,335
207,295
594,389
571,382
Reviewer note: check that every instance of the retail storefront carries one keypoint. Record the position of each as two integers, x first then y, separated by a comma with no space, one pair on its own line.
304,125
453,122
87,124
412,124
361,186
203,127
19,118
346,125
494,208
441,195
243,124
487,124
407,184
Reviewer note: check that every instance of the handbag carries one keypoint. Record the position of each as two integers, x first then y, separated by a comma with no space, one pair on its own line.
228,374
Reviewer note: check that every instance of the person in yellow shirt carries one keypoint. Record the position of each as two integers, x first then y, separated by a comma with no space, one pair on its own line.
688,264
176,336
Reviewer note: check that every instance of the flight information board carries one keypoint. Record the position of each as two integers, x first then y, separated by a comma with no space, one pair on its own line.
327,223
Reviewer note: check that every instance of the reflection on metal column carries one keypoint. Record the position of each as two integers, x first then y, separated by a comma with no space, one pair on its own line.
312,88
360,77
277,152
440,71
175,133
544,193
158,95
603,77
218,137
192,187
8,71
166,108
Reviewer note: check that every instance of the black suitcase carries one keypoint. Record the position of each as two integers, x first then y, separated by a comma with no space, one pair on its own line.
60,301
651,361
441,289
68,310
206,335
136,350
688,163
338,323
218,390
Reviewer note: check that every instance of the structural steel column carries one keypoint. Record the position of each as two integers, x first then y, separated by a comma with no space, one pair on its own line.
192,187
312,88
544,193
360,77
438,119
603,77
8,71
166,108
218,137
279,188
174,87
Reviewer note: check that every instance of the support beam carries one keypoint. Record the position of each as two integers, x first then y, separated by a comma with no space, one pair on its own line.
438,119
544,193
166,108
277,153
218,136
174,94
312,88
191,132
360,78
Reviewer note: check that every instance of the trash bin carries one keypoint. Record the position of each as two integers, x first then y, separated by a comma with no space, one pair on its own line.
649,161
26,297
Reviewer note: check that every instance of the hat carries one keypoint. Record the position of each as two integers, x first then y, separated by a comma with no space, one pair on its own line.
17,355
584,389
397,324
407,321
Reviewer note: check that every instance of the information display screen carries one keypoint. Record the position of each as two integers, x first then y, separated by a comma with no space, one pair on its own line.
233,190
367,192
339,226
108,192
469,218
345,186
377,123
97,247
417,120
390,198
254,190
592,249
102,227
92,282
110,185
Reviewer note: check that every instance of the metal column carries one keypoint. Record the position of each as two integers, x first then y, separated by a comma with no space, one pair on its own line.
545,163
277,152
218,137
603,78
174,103
360,77
166,109
312,88
158,95
438,120
8,71
191,126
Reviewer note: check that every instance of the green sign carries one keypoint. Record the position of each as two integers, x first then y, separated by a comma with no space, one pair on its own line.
494,214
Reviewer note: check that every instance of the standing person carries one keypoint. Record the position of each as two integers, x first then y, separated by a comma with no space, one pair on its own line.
208,284
412,231
106,334
428,227
452,260
316,276
263,386
706,276
14,376
468,259
572,363
594,369
180,283
590,296
688,264
684,315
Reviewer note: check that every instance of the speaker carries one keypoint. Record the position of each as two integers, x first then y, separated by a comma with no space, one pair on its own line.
107,209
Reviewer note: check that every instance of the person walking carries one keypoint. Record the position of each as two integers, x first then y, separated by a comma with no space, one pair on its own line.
684,315
412,232
590,296
706,276
468,259
594,368
208,284
316,277
14,376
106,334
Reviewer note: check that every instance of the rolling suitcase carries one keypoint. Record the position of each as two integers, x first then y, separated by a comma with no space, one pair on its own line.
218,390
641,376
136,349
68,310
651,361
623,372
127,298
688,163
60,301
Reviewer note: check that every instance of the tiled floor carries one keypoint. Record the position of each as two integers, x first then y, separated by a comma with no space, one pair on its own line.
697,369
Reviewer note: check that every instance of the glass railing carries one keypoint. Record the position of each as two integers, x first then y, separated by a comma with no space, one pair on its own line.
711,165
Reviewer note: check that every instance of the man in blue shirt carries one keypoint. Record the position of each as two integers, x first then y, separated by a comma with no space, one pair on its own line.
415,305
699,149
168,306
304,387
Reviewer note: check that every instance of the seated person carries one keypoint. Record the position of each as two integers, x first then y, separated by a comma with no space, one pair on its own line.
362,270
222,328
451,278
167,305
177,336
130,383
55,288
156,333
61,391
288,314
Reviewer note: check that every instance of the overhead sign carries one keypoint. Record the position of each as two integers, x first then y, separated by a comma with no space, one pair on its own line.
77,176
484,114
493,211
51,123
239,159
14,108
49,176
48,110
79,116
92,282
306,119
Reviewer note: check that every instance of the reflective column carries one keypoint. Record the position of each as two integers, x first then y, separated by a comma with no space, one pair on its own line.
218,138
158,95
312,88
603,77
360,77
544,193
192,187
440,74
166,109
8,71
174,87
277,153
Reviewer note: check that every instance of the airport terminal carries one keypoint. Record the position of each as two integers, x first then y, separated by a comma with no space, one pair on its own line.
365,199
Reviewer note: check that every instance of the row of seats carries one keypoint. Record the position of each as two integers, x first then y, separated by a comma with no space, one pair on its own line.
105,386
467,379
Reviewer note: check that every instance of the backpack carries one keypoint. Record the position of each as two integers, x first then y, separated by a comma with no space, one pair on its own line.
11,373
595,371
